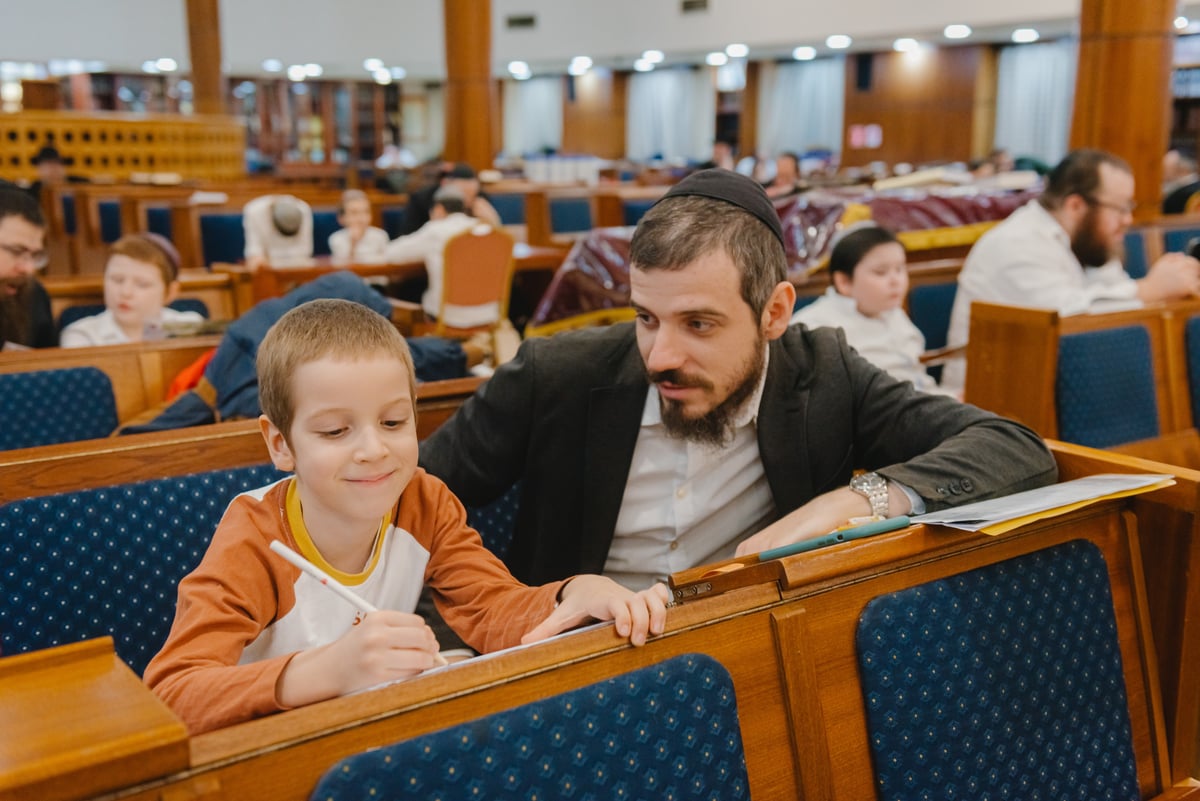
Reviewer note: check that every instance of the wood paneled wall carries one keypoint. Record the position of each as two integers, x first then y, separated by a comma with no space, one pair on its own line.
594,119
924,102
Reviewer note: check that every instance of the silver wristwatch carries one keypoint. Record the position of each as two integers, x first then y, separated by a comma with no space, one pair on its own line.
874,488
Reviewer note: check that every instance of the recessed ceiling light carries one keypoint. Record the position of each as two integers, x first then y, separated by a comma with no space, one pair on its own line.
1181,22
382,76
957,31
642,65
737,50
1025,35
272,65
579,65
372,64
518,68
313,70
716,59
166,65
653,56
398,73
838,41
296,72
906,45
804,53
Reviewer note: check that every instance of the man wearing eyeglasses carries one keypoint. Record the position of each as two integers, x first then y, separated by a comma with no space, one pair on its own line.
1063,251
25,318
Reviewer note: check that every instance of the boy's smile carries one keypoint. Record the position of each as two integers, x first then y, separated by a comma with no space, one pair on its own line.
353,448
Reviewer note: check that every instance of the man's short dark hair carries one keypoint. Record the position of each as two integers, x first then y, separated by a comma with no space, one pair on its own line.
679,230
1078,174
16,202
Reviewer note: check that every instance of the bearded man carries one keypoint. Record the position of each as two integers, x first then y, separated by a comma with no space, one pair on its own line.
1063,251
707,426
25,318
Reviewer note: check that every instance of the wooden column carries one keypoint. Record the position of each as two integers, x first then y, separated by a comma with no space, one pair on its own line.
748,119
1123,87
204,50
471,100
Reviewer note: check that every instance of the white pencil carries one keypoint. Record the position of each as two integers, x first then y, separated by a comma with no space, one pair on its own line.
323,577
329,581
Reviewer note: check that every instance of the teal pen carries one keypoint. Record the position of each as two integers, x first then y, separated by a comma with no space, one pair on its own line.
833,537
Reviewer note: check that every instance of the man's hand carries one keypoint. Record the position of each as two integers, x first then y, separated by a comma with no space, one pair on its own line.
821,515
384,646
635,614
1172,277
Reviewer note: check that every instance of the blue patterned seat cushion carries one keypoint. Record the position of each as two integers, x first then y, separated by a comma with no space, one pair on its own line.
666,731
1003,682
52,406
108,561
497,521
1104,391
1192,339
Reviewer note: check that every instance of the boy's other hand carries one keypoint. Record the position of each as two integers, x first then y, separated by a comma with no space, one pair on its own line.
635,614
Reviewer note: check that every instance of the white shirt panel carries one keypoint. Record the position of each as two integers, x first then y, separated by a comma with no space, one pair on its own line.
687,504
370,250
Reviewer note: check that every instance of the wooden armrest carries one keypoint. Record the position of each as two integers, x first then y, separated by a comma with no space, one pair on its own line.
406,315
942,355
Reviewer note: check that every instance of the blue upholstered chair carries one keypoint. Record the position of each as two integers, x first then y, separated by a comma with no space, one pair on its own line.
570,215
158,220
393,220
510,207
72,313
802,301
108,561
929,308
496,521
665,731
222,237
1176,239
1136,260
1003,682
632,210
110,220
1192,341
43,407
324,224
1104,392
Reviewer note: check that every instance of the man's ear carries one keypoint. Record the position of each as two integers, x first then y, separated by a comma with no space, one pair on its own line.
277,445
777,314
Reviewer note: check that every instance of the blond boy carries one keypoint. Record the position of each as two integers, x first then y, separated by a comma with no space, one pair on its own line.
254,635
357,241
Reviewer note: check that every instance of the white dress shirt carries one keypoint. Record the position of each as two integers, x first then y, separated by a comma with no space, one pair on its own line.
264,239
687,504
1027,261
889,341
370,249
102,328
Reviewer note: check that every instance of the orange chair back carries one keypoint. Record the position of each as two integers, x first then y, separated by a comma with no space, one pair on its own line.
477,268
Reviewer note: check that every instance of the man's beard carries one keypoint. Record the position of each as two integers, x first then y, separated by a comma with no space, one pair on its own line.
14,312
1088,247
716,427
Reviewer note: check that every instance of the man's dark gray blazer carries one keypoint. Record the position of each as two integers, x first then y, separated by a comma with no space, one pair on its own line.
564,415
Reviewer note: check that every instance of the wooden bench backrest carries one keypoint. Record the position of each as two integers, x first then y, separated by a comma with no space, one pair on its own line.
140,372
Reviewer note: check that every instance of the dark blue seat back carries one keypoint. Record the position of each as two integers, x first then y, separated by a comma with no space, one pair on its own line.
158,220
497,521
802,301
1192,341
110,220
1136,262
393,220
665,731
72,313
324,224
222,237
1175,240
1104,392
632,210
68,204
510,207
929,308
1003,682
43,407
570,214
108,561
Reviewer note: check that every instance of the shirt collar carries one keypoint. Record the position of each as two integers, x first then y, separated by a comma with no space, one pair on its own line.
652,411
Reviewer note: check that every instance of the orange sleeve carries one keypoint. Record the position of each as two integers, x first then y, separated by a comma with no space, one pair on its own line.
238,589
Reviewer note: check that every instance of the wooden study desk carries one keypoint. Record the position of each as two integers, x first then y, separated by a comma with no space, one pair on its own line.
788,644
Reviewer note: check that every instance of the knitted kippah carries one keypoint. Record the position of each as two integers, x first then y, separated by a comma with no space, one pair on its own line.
733,188
164,244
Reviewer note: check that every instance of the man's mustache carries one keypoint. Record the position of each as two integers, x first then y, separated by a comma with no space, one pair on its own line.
679,379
